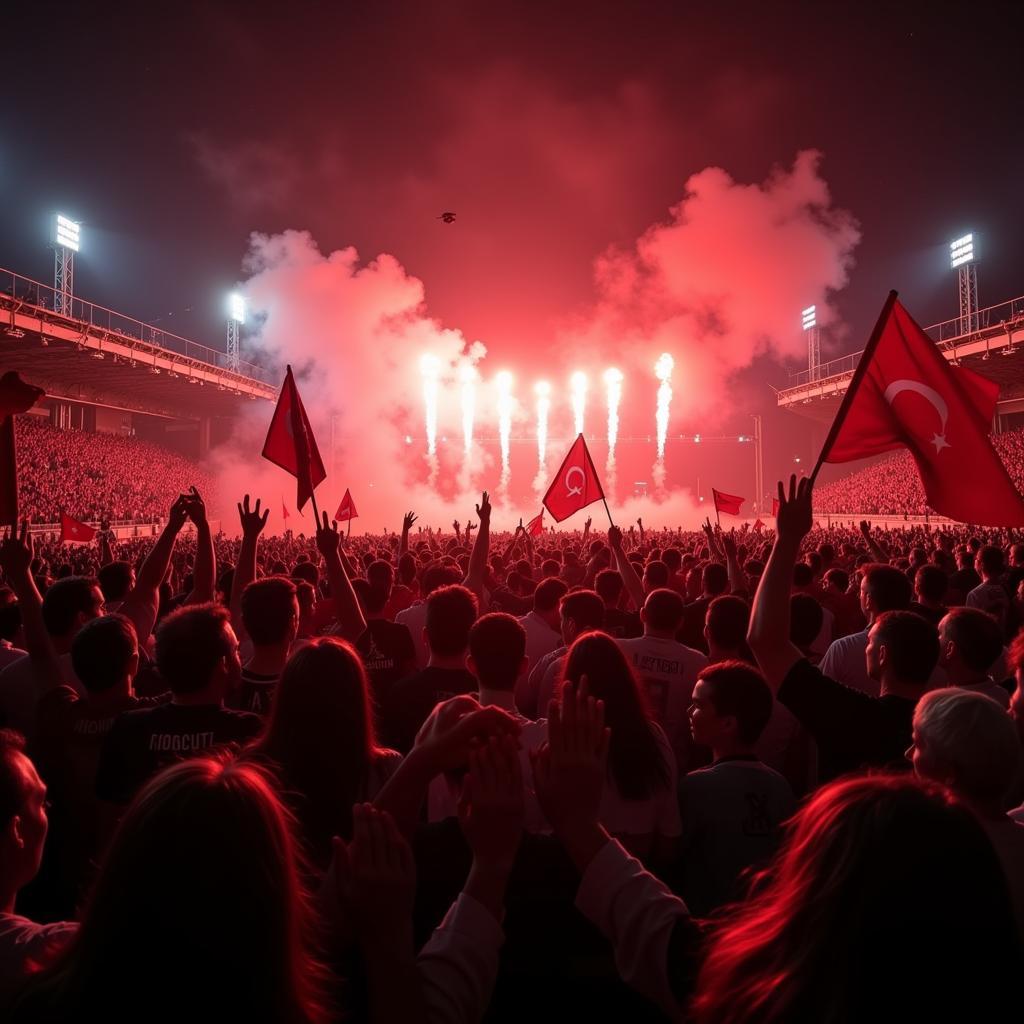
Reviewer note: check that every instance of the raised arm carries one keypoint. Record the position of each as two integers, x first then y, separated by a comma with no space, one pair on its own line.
204,573
878,552
407,522
252,523
640,527
143,603
106,552
633,584
16,562
768,635
351,622
737,581
478,559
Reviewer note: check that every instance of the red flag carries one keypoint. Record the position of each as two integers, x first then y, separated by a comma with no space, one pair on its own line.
74,532
775,507
575,485
729,503
346,510
905,394
284,510
535,527
290,442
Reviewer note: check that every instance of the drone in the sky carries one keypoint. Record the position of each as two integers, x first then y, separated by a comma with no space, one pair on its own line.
448,217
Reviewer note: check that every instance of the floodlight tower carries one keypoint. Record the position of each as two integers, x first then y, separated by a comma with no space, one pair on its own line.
66,241
962,259
236,317
809,319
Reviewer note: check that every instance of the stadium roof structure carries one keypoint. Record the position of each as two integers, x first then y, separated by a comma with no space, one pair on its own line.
993,346
96,355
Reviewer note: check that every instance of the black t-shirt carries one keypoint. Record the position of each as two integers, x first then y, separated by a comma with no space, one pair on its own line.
691,632
413,699
504,600
140,743
933,615
388,653
255,692
621,624
852,730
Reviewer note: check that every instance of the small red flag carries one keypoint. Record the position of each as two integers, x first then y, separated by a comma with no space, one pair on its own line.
535,527
74,532
775,507
346,510
290,442
575,485
284,509
729,503
905,395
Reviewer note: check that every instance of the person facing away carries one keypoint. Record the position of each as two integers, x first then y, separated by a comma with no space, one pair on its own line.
731,811
197,656
451,611
270,614
970,643
542,628
386,647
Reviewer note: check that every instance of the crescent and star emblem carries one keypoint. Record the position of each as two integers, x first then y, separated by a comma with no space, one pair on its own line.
569,489
930,395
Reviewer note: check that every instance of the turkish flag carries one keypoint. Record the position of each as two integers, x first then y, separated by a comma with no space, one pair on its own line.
575,485
775,507
905,395
74,532
346,510
290,442
535,527
729,503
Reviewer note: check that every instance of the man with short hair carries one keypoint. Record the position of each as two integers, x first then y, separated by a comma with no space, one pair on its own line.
197,656
580,612
990,595
732,810
451,612
665,668
618,622
386,647
541,626
883,588
414,617
116,580
270,614
970,643
725,629
714,582
24,945
853,730
930,586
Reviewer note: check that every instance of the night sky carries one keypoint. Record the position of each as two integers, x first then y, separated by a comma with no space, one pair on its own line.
553,130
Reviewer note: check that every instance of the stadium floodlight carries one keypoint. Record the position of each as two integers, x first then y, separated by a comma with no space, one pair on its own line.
236,307
67,232
961,251
809,318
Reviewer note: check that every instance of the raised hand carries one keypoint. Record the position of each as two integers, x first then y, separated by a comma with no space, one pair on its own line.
569,770
483,510
16,553
491,809
865,527
520,528
586,525
195,507
327,538
408,519
615,538
729,543
454,727
469,527
640,522
178,513
457,527
252,521
794,518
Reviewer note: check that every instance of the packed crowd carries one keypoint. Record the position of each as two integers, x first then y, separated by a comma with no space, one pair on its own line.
94,476
892,486
465,775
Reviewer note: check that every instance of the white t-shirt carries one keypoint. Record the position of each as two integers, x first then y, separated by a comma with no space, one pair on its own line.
667,670
656,815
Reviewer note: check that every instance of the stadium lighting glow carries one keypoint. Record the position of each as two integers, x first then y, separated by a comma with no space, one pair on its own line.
236,307
67,233
430,368
542,389
663,371
503,382
809,317
467,377
961,251
578,387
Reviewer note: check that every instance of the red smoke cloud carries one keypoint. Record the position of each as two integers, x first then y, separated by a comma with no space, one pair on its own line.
720,282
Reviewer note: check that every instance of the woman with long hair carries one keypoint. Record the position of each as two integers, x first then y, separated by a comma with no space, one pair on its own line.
639,805
320,742
197,911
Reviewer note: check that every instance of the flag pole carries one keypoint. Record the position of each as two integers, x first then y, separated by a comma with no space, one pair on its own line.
348,532
718,517
608,510
316,512
858,376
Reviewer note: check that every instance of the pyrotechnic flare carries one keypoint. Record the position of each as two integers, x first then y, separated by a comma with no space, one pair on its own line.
663,368
578,386
613,389
543,390
503,381
430,367
467,375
